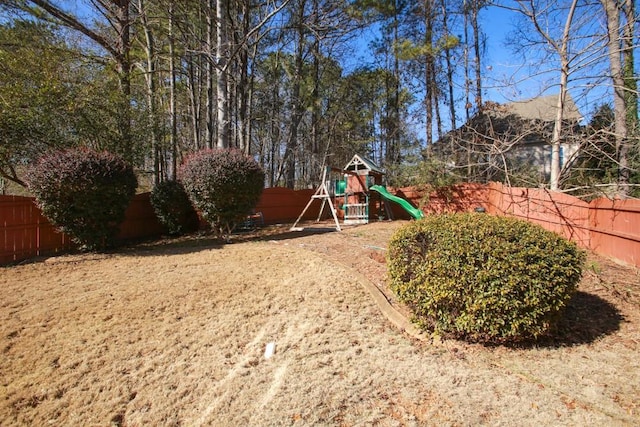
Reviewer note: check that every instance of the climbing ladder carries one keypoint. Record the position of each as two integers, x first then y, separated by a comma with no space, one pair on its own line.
356,213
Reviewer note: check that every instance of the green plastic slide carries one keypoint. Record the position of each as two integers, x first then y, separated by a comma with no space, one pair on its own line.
415,213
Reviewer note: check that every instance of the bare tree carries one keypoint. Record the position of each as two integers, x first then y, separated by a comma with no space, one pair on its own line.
149,70
536,13
474,7
210,74
630,78
449,65
222,66
560,40
614,46
288,166
502,144
173,116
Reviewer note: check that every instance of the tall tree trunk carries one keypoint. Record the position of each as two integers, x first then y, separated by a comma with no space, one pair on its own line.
447,55
297,106
248,129
243,88
314,171
394,155
475,10
274,120
150,79
194,86
630,78
173,134
429,78
467,82
436,103
123,29
210,74
619,102
222,66
563,52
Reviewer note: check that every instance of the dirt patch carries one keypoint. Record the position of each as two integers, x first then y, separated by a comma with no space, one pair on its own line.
174,333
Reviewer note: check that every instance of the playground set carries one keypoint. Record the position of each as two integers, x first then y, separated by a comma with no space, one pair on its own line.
357,189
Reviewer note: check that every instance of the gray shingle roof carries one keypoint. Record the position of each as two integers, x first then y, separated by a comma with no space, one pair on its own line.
544,108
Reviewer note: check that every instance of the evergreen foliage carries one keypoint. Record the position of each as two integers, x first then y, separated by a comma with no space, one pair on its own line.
84,193
483,278
142,89
432,173
173,208
224,185
51,98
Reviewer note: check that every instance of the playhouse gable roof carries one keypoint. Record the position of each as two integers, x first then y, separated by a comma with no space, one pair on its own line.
359,162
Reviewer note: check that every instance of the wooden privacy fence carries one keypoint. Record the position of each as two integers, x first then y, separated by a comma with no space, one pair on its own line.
25,233
608,227
283,205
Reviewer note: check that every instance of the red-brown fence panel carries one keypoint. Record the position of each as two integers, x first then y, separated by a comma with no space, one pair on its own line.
24,232
285,205
457,198
561,213
615,229
608,227
140,220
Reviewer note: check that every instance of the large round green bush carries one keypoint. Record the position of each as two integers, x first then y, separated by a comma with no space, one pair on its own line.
483,278
84,193
173,208
223,184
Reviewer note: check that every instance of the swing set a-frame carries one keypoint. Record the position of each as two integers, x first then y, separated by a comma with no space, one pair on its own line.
322,193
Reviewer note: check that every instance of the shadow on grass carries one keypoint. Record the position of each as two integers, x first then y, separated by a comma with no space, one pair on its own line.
208,240
586,319
182,245
288,235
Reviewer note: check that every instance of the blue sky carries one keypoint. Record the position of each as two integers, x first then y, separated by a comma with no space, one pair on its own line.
507,77
499,62
588,92
502,65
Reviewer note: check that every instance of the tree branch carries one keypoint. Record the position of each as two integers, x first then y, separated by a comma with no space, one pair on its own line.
73,22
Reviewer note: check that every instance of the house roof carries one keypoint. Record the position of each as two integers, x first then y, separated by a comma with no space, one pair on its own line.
544,108
359,162
531,121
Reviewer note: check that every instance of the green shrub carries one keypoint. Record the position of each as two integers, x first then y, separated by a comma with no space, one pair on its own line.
173,208
224,185
83,193
483,278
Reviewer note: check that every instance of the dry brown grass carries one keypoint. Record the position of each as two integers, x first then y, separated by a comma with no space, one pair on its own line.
174,333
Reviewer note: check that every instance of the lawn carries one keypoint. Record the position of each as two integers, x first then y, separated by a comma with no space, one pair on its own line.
174,333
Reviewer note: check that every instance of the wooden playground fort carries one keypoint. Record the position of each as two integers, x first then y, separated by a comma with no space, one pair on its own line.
357,194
